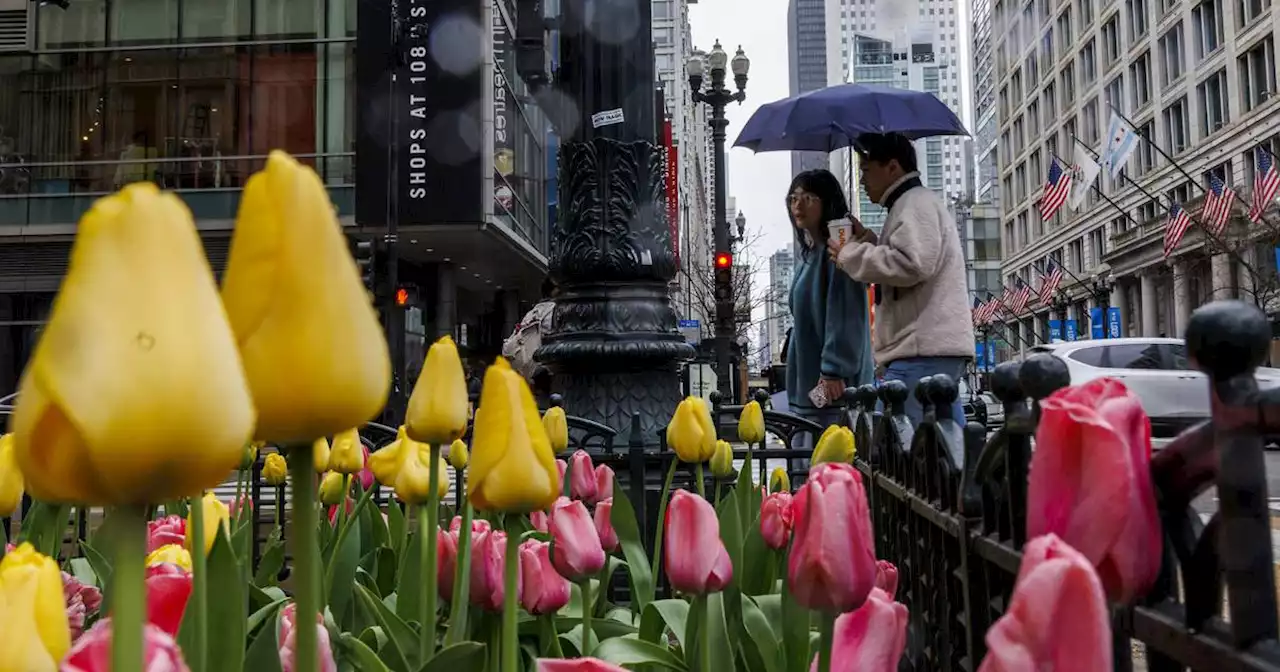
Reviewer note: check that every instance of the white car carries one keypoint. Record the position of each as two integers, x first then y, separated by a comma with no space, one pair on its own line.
1174,395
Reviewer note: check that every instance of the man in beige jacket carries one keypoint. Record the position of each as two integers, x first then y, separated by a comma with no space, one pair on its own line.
923,323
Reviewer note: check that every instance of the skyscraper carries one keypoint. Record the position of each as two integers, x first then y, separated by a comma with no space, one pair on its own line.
813,50
777,306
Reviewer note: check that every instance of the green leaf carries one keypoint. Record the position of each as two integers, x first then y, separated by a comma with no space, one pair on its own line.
460,656
402,640
102,569
271,562
408,592
264,653
629,651
722,656
397,529
759,563
360,655
226,617
83,571
623,518
663,615
382,565
258,617
342,575
44,526
796,625
241,540
761,636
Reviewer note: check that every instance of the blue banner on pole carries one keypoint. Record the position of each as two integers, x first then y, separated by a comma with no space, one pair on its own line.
1097,324
1073,330
1055,331
1113,322
985,358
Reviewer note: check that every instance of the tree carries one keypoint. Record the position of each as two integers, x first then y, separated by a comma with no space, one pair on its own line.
1248,247
697,288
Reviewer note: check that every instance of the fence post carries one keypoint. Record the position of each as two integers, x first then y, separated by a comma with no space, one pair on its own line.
255,497
636,476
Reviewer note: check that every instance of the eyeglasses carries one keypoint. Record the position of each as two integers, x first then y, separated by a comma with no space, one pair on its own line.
802,198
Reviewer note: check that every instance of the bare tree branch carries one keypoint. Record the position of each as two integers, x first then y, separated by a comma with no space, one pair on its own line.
698,287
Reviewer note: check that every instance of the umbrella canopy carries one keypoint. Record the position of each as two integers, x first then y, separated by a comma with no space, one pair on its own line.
832,118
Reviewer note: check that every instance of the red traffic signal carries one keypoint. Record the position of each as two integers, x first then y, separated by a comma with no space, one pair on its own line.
402,296
724,260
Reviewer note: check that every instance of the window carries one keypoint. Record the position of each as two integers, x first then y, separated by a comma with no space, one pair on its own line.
1111,39
1149,210
1257,68
1113,94
1089,63
1134,356
1020,183
1086,14
1090,114
1212,93
1176,129
662,9
1032,68
1064,31
1171,55
1075,256
1069,132
1068,80
1207,19
1050,98
1097,246
1033,119
663,62
1145,152
1140,79
1137,10
1248,10
1167,6
662,36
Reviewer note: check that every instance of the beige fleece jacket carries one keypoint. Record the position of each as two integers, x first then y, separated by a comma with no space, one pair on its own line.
919,265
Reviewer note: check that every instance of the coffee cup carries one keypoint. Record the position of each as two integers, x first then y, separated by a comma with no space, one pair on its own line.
840,231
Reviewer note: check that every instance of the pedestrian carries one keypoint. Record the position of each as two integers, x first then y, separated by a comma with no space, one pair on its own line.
829,346
527,338
924,326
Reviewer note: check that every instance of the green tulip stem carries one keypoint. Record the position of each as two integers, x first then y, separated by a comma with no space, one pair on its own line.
704,646
199,601
662,516
429,527
129,602
716,501
279,505
587,606
701,483
553,645
461,579
510,606
828,630
306,564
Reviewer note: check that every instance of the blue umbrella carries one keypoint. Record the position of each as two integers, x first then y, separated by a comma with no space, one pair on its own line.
832,118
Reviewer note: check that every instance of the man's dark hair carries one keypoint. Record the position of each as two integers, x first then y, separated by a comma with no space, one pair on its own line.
883,148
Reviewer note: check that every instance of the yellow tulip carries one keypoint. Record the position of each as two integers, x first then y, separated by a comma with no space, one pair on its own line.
250,454
751,423
513,468
722,461
216,519
403,465
557,427
437,410
135,392
173,554
313,349
10,478
709,434
34,634
332,490
835,445
320,455
347,454
458,454
690,432
779,481
274,469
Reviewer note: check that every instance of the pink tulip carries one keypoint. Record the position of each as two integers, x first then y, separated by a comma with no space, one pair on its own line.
582,479
887,577
1090,484
349,505
488,562
92,652
692,552
477,526
776,521
578,553
1057,618
365,476
234,506
871,638
562,467
604,483
604,526
832,565
446,563
576,665
539,520
82,602
168,591
542,589
289,642
165,531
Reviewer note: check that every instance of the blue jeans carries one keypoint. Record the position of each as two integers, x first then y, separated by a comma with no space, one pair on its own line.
910,371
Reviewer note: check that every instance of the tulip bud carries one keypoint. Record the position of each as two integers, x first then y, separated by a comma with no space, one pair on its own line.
320,455
722,461
539,520
10,478
576,665
557,427
751,423
138,304
874,637
582,476
577,553
562,468
217,518
458,454
346,456
835,445
250,455
693,554
405,466
513,468
832,564
275,470
779,481
686,432
887,577
333,488
313,348
92,652
776,520
709,433
603,517
171,529
604,482
488,562
172,554
446,563
288,639
437,411
33,615
542,590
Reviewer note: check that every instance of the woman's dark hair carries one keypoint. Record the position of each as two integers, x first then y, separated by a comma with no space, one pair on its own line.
548,288
822,184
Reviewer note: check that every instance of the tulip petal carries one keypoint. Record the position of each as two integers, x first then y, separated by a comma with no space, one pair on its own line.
437,411
871,638
513,468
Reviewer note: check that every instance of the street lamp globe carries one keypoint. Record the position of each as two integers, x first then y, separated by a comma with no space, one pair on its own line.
717,59
695,66
740,63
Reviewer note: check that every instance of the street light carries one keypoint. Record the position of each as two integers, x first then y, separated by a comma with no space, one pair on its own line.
717,97
1100,288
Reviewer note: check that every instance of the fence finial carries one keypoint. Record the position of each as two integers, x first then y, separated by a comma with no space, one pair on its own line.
1005,383
1042,375
866,396
1227,338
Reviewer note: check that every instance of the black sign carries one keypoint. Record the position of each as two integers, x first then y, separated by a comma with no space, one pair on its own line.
504,113
419,133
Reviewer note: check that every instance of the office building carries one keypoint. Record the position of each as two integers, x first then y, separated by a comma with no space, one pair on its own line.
813,53
985,125
777,306
1198,78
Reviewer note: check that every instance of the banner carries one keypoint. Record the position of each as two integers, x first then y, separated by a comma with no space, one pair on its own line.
1097,324
672,182
1073,330
504,158
1113,322
1055,331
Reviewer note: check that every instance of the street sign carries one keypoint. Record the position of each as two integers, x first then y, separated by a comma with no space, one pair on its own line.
691,330
702,379
1113,322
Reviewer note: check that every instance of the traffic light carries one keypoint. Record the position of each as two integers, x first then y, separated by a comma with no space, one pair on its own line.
402,297
724,277
365,260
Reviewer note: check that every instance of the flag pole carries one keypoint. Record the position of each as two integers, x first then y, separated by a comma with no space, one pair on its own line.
1098,190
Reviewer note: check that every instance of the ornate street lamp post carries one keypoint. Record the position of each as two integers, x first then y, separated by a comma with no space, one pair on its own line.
717,97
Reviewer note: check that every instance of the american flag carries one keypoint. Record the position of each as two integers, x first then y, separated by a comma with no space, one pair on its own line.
1175,227
1056,190
1052,279
1021,297
990,308
978,310
1266,183
1217,205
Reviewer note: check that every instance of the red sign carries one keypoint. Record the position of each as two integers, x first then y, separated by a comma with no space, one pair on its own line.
672,180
